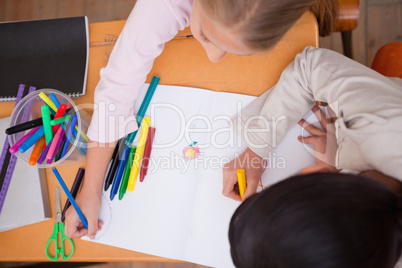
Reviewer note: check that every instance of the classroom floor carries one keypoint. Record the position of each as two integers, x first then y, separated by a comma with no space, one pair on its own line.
380,23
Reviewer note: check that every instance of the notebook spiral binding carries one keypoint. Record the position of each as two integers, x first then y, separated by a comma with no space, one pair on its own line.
12,99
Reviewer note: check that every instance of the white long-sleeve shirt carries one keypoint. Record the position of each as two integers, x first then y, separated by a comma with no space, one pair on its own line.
150,25
368,106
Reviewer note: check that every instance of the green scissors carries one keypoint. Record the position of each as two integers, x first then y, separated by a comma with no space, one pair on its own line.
59,229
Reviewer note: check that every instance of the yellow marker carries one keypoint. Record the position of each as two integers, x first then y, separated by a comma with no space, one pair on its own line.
138,154
48,101
241,179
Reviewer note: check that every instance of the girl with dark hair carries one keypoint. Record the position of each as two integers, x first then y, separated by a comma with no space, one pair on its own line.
328,217
323,220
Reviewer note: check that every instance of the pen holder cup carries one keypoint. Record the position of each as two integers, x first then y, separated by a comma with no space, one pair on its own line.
30,108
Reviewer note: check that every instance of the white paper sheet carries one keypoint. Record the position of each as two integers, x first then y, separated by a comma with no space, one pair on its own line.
27,199
179,211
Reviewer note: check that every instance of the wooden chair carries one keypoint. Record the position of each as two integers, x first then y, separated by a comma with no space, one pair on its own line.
347,21
387,60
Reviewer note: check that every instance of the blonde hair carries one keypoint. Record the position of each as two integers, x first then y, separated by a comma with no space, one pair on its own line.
262,23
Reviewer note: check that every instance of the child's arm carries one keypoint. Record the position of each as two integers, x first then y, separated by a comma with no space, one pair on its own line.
362,99
253,166
89,198
150,25
264,123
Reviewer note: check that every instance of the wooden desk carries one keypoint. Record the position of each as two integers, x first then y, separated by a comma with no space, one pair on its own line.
183,63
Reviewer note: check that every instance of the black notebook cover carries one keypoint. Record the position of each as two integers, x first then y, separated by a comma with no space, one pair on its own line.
45,54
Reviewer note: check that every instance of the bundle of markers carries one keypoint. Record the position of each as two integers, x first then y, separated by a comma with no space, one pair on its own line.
126,160
50,135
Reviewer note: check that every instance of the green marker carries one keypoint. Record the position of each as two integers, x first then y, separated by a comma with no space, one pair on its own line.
126,174
60,120
46,124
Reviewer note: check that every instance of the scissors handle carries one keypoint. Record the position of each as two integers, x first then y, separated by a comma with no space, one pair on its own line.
58,228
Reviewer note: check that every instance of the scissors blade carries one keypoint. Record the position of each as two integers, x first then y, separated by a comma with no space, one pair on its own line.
58,205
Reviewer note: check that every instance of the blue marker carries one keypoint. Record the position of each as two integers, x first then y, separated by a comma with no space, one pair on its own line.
119,172
54,99
69,135
32,140
70,197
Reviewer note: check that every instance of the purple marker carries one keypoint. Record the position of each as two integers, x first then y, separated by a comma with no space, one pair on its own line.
44,153
17,145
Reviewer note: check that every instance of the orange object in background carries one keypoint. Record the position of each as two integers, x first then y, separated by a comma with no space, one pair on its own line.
388,60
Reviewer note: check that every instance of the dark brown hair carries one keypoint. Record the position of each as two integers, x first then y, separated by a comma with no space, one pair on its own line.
326,220
262,23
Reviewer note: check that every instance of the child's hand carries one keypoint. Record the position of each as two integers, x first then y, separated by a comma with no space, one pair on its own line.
254,167
324,141
90,204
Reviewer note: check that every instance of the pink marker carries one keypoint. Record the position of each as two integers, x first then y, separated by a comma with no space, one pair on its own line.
49,161
50,153
17,145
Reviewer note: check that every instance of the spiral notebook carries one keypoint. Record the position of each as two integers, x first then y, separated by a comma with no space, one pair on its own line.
50,53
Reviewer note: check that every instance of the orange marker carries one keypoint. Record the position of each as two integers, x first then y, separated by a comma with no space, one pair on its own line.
36,151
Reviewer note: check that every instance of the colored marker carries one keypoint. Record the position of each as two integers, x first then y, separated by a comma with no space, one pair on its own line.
13,149
60,120
53,109
48,101
69,135
143,108
74,190
127,170
36,151
241,180
25,126
32,140
46,124
60,112
119,173
44,153
33,123
55,100
128,142
58,144
138,154
147,153
60,150
70,197
52,151
110,174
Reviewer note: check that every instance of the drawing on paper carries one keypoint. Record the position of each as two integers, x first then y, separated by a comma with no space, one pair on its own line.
191,151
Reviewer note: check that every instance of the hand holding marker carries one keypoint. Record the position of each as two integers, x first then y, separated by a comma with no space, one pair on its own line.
70,197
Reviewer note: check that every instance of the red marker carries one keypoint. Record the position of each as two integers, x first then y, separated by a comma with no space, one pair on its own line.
60,112
147,153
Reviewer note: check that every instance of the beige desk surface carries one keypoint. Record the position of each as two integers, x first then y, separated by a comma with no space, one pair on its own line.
183,62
